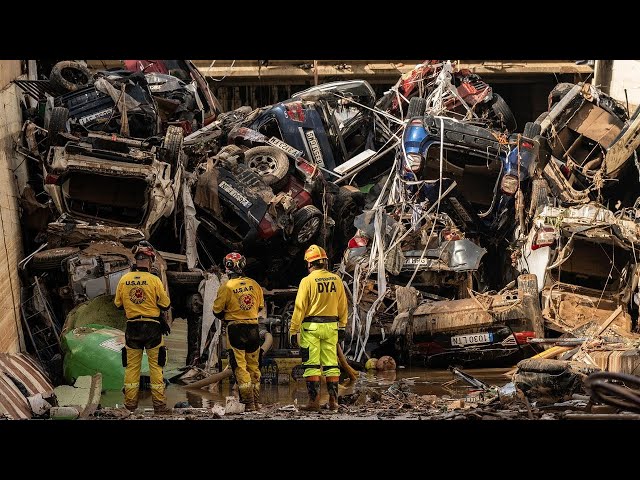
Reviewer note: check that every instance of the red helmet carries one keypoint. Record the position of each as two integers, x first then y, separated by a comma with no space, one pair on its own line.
143,249
234,262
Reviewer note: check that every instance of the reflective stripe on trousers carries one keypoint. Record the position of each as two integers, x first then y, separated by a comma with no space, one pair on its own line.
132,377
320,341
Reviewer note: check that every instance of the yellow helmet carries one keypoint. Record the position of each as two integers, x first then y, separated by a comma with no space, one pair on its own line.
313,253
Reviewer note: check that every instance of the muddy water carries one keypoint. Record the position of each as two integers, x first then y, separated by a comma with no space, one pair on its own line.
421,381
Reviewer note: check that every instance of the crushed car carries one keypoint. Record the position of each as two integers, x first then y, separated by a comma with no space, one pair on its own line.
583,258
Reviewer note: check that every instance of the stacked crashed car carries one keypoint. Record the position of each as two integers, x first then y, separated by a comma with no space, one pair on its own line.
277,182
464,182
106,155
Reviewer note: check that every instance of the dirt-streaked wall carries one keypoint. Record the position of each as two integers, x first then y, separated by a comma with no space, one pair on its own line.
10,233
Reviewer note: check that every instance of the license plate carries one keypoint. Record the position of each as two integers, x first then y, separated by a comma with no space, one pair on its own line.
244,201
314,146
285,147
472,339
416,261
94,116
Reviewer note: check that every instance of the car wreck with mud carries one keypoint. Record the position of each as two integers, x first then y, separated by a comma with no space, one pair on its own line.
281,181
439,232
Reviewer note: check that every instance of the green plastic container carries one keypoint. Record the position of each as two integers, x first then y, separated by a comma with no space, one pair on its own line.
96,348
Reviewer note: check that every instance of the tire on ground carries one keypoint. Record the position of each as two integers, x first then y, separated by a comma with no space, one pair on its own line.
531,129
52,259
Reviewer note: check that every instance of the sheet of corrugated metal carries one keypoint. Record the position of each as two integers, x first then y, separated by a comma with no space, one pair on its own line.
20,369
12,402
26,370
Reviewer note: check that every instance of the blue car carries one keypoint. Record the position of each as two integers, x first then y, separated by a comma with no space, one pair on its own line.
487,168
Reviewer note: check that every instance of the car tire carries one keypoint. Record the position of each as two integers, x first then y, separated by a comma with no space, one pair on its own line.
69,76
503,112
270,163
306,224
58,123
184,279
52,259
531,129
345,212
172,147
539,195
559,91
417,107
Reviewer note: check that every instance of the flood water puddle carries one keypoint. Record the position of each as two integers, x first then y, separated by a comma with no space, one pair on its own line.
421,381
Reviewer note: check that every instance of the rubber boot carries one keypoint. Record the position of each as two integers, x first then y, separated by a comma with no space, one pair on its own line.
256,396
332,388
313,388
246,396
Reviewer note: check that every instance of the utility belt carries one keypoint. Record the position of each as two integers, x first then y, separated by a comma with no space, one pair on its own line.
241,320
144,318
320,319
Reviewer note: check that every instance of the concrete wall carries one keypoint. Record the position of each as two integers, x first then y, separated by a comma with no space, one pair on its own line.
10,233
626,74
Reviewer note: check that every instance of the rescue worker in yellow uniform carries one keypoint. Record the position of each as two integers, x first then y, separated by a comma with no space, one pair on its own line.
321,311
142,296
237,304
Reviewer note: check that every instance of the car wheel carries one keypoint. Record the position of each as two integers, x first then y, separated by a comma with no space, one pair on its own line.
503,112
270,163
69,76
52,259
58,123
417,107
306,224
559,91
347,209
539,195
531,129
172,146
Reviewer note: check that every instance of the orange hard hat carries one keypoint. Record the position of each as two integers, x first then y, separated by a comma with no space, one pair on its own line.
313,253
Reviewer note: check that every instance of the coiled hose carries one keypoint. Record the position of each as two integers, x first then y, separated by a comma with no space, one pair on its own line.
619,394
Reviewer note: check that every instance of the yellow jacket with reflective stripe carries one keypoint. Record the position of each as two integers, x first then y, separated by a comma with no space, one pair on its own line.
240,299
141,294
321,293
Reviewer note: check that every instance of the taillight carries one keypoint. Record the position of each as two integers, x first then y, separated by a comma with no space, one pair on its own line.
295,111
415,161
417,121
449,234
509,185
306,168
527,145
357,241
545,236
565,171
522,338
51,179
266,228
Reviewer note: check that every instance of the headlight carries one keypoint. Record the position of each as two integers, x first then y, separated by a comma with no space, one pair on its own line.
414,161
509,185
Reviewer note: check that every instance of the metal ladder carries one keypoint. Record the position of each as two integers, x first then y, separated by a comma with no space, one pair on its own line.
45,330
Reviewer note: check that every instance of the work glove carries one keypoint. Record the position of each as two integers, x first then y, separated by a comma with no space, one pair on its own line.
341,333
166,329
293,340
164,325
